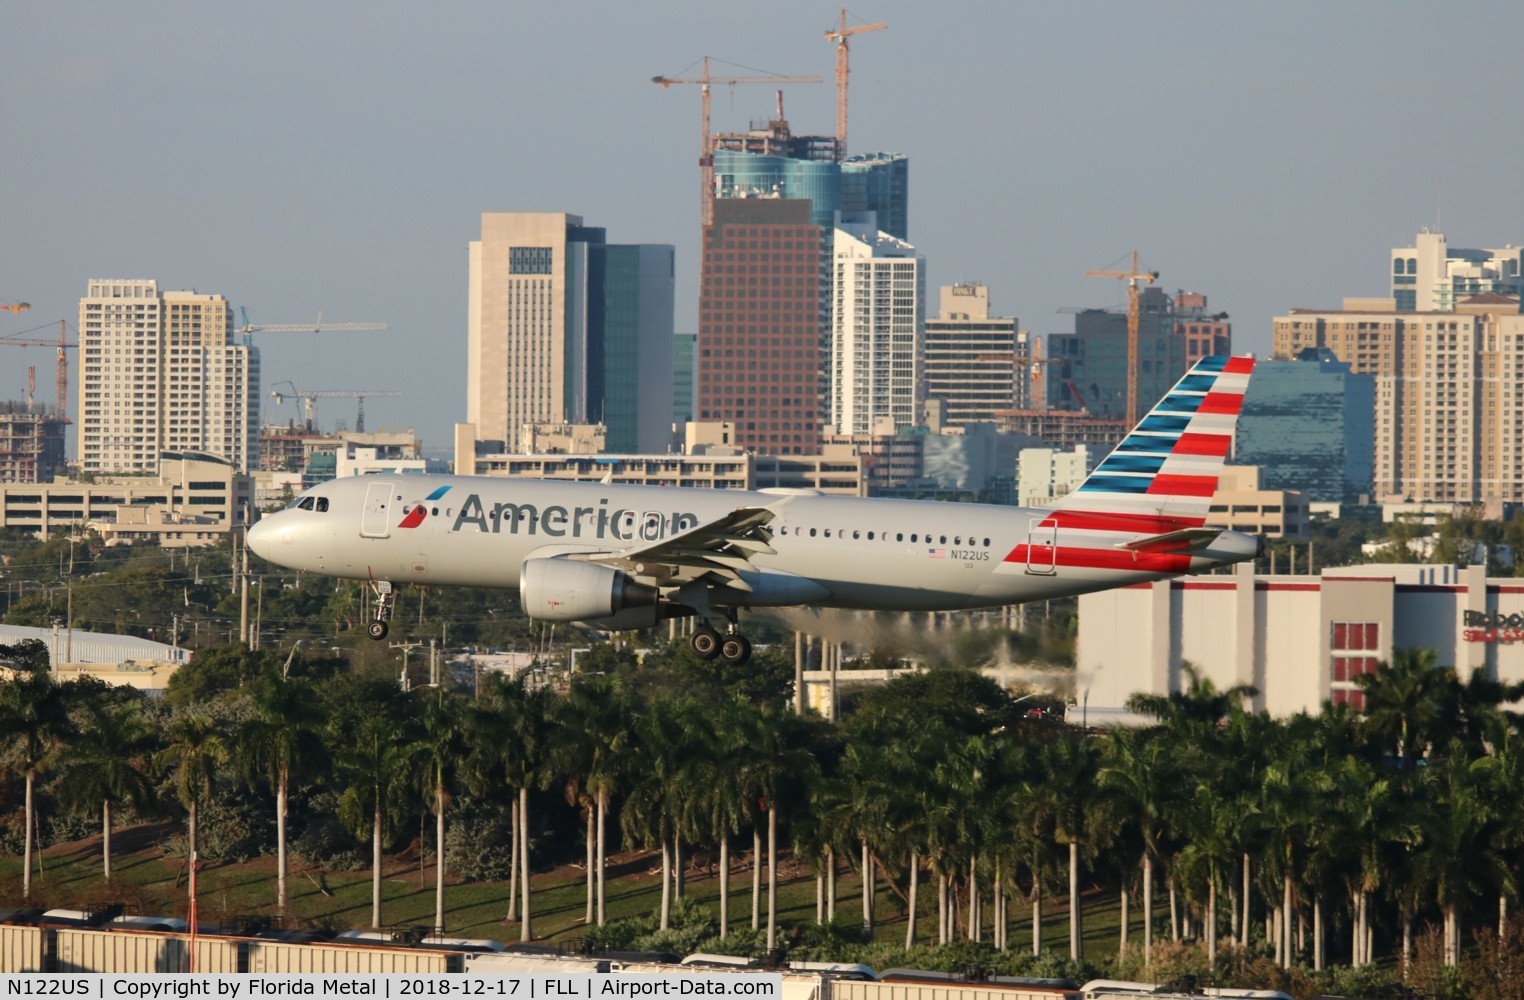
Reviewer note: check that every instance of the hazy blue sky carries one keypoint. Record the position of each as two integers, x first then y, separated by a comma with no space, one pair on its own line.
337,156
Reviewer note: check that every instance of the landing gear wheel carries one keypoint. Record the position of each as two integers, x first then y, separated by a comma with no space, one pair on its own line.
383,590
705,642
736,649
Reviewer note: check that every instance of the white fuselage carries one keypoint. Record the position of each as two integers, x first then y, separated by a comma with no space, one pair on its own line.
827,551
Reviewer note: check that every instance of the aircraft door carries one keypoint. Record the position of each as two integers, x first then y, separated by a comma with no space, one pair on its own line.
1042,546
375,518
651,525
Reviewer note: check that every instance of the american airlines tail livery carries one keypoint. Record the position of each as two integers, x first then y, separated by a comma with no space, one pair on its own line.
626,557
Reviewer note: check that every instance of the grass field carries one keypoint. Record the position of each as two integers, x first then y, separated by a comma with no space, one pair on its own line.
147,882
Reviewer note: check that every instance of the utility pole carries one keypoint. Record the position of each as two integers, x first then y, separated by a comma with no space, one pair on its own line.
407,649
243,593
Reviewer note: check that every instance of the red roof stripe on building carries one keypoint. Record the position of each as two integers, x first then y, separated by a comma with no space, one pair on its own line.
1212,445
1183,486
1222,402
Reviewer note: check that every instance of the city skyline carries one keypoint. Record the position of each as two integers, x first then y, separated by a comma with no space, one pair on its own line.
343,167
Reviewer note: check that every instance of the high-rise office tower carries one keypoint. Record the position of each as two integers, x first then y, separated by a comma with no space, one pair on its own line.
566,328
1206,334
879,183
769,160
629,387
974,362
877,310
1087,369
1308,424
1449,413
758,348
1433,276
162,373
684,386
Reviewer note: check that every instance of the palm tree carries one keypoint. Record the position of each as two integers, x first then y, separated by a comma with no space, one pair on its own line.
436,754
105,763
1288,795
1200,707
1209,853
513,737
283,740
195,750
593,729
1461,859
373,764
783,769
1402,700
1071,763
653,812
34,719
727,788
1139,775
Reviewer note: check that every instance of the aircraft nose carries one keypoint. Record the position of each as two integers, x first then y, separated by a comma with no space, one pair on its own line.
261,537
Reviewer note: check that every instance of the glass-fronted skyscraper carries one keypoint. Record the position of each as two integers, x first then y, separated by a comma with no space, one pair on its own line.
566,328
1309,425
630,317
879,183
1087,369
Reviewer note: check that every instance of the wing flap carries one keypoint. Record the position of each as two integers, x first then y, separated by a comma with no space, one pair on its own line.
720,549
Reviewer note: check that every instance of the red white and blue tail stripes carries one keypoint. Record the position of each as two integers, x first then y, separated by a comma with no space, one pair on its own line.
1160,479
1166,470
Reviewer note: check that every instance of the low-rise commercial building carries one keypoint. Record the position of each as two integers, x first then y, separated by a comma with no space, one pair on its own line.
195,500
1299,641
1241,503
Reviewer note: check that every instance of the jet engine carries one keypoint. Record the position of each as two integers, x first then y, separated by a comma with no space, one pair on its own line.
564,590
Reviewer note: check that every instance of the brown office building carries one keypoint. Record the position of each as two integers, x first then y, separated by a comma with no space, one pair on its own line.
758,350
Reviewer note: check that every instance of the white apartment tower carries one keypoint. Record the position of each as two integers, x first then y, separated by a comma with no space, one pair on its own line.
162,372
877,313
1432,276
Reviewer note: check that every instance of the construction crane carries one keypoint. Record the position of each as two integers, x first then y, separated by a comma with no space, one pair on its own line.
706,139
62,344
839,35
319,327
1132,277
309,396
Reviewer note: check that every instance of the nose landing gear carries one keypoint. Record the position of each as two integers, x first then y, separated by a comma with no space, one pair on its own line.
378,628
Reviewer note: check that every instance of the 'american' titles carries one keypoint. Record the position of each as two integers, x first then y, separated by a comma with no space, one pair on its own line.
556,521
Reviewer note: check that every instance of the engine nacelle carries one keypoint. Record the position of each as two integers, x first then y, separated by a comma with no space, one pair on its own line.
565,590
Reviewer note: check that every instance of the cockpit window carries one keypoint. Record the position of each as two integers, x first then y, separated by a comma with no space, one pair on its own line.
306,503
322,505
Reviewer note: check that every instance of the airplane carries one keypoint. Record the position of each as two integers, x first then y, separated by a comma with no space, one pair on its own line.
619,557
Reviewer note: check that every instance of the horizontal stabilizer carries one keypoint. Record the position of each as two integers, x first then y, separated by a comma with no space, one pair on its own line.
1184,540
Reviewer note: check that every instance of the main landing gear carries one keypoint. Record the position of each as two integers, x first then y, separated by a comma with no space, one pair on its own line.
732,646
377,629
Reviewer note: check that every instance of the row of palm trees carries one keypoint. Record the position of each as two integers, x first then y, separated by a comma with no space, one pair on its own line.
1294,829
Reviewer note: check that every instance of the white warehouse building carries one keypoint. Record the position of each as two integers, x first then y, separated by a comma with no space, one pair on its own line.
1299,640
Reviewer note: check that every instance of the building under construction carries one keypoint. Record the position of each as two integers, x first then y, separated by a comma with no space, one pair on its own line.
31,444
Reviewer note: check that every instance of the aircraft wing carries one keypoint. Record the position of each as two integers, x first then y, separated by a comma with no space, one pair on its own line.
719,549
